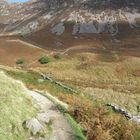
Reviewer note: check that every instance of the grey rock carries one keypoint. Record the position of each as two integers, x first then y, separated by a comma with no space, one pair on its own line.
40,80
34,125
136,119
125,113
43,117
46,77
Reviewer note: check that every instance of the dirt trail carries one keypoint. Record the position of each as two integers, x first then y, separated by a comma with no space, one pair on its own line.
25,43
60,126
79,49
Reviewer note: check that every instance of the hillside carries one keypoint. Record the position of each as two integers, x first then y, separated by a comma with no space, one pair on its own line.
98,80
59,25
16,107
84,16
27,114
80,62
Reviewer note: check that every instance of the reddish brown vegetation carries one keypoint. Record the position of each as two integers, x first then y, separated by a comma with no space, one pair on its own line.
136,72
97,122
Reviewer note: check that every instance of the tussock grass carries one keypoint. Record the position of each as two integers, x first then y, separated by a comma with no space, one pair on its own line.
103,78
15,107
86,69
108,81
31,80
127,101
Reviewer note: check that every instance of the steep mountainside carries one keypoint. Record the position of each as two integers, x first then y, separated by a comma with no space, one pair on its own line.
61,23
88,16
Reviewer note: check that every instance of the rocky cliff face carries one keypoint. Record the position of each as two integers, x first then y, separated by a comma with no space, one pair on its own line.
86,16
70,19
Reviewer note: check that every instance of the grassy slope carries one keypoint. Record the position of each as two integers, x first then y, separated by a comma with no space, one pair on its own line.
31,80
91,69
101,76
15,107
112,80
98,122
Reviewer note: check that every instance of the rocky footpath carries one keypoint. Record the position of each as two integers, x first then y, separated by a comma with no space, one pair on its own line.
48,114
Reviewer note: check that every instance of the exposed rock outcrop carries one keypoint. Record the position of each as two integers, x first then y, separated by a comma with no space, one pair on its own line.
125,113
34,126
86,16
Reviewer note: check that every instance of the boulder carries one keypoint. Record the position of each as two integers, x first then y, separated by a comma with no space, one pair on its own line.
34,125
43,117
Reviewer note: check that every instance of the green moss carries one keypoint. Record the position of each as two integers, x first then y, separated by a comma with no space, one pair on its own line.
76,128
31,79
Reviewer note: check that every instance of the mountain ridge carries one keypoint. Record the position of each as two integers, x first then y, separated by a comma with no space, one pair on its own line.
96,16
59,24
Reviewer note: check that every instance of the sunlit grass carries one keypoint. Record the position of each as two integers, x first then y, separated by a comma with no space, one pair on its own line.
89,69
15,107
